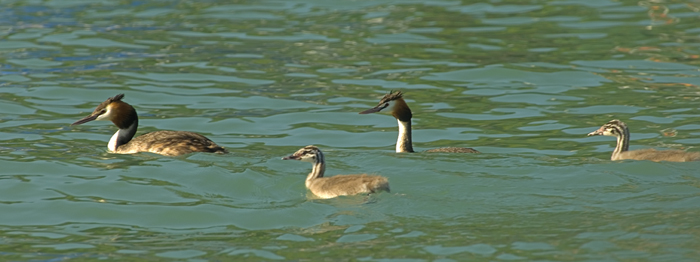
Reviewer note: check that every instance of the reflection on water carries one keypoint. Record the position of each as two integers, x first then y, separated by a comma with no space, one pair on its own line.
522,82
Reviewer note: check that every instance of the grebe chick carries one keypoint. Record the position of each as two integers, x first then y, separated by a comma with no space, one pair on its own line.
168,143
340,185
619,129
399,109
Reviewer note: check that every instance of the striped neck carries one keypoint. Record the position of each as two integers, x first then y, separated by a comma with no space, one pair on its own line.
404,143
319,167
623,140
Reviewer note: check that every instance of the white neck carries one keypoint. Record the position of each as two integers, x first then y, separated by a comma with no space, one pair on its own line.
404,143
122,136
113,142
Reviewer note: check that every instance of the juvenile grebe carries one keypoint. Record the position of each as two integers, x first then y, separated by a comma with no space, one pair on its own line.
169,143
399,109
340,185
619,129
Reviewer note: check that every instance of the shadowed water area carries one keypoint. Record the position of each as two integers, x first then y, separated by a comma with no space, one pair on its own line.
521,81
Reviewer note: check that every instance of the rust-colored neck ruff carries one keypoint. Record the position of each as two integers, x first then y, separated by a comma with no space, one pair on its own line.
126,119
403,114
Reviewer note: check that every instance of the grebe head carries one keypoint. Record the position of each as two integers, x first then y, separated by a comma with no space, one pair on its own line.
612,128
112,109
393,101
307,154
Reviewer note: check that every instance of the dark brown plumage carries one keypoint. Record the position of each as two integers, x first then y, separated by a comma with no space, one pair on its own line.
169,143
452,150
399,109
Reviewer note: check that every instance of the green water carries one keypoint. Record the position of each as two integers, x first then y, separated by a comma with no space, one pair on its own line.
522,82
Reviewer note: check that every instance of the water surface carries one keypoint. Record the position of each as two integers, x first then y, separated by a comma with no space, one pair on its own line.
522,82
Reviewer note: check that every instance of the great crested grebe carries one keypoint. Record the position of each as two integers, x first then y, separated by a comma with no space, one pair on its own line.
619,129
168,143
340,185
399,109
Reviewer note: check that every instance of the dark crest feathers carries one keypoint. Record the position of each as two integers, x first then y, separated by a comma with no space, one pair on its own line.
104,104
118,97
391,96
